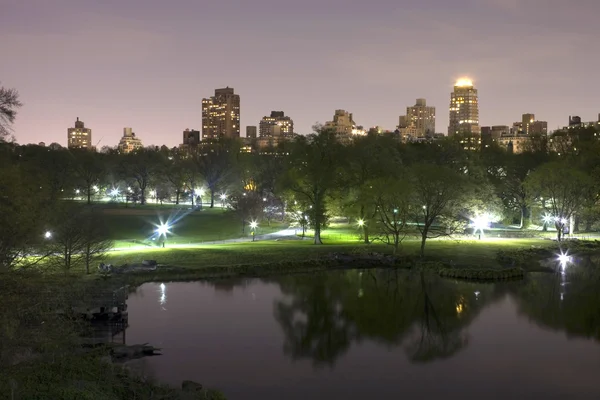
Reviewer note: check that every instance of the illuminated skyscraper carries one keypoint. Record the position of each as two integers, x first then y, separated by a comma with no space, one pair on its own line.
419,117
129,142
277,124
79,137
221,115
464,109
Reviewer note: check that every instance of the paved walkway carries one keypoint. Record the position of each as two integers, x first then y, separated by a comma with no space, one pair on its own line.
282,234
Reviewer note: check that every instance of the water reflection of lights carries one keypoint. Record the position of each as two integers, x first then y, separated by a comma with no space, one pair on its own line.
163,294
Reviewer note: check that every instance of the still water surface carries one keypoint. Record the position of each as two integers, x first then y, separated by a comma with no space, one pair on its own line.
375,334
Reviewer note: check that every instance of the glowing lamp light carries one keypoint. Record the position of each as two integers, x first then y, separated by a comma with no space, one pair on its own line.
223,196
114,192
360,222
95,187
253,224
564,259
199,192
163,229
547,218
464,82
48,235
77,191
481,222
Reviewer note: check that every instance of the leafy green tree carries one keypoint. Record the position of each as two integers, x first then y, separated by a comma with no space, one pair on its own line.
312,174
437,193
392,202
368,159
247,205
564,189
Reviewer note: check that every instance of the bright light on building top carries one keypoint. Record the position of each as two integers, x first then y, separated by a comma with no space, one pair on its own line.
464,82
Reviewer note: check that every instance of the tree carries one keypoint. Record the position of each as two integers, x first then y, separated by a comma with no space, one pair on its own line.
173,169
392,199
89,171
367,159
564,188
436,196
216,164
140,166
247,205
22,217
9,102
312,173
79,238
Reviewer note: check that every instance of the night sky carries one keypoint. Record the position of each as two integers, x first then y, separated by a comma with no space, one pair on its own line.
148,63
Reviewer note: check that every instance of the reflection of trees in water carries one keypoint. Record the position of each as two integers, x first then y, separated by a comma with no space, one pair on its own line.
226,286
323,314
312,322
570,303
438,334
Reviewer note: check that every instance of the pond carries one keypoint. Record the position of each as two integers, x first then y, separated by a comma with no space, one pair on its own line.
375,334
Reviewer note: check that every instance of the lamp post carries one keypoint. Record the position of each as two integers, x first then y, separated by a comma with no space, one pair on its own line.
253,226
163,230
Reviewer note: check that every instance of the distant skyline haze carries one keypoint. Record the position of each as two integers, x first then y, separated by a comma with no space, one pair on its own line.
147,64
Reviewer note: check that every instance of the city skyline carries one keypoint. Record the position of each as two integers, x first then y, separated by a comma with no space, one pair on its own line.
147,70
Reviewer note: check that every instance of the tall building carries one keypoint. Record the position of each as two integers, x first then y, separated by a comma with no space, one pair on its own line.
529,126
464,109
221,115
191,137
343,124
129,142
251,132
79,137
275,125
422,117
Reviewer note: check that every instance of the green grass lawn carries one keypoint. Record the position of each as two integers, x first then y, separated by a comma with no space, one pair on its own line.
127,225
468,253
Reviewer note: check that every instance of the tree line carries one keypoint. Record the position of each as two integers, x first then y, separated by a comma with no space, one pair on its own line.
389,189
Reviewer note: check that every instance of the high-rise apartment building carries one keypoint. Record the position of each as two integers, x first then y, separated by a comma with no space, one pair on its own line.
529,125
421,117
464,109
129,142
221,115
79,137
276,125
343,124
251,132
191,137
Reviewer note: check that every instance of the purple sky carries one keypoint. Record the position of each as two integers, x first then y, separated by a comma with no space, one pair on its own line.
148,63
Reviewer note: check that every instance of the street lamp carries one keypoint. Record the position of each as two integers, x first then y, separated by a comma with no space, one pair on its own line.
479,223
547,218
223,197
253,226
360,222
48,235
162,230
